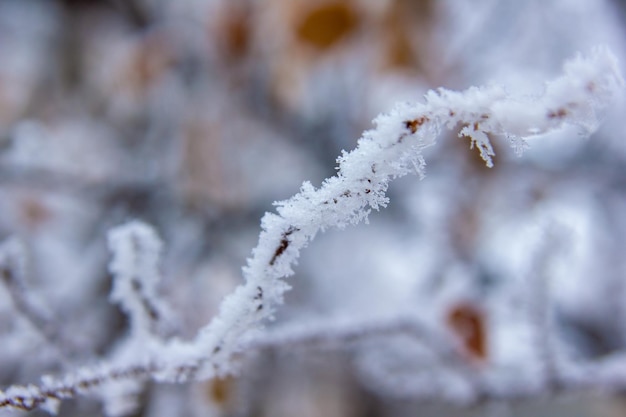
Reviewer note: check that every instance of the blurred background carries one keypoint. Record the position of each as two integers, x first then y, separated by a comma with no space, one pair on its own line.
195,115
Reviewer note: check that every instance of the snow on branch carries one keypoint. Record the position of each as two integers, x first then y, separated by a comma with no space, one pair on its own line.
12,271
136,250
13,276
391,150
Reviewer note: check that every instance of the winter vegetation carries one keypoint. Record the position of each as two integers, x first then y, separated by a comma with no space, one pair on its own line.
140,151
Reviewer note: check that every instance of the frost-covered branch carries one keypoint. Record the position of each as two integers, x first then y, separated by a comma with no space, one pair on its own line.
12,273
340,333
541,317
12,269
136,250
391,150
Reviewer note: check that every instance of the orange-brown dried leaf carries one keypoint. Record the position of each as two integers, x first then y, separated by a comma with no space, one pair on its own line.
235,32
324,26
151,59
558,114
221,390
400,53
34,212
414,124
467,322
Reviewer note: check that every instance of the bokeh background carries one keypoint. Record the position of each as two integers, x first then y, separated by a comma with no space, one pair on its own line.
195,115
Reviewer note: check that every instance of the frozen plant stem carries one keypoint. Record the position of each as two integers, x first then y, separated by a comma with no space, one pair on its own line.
136,250
12,276
391,150
540,315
